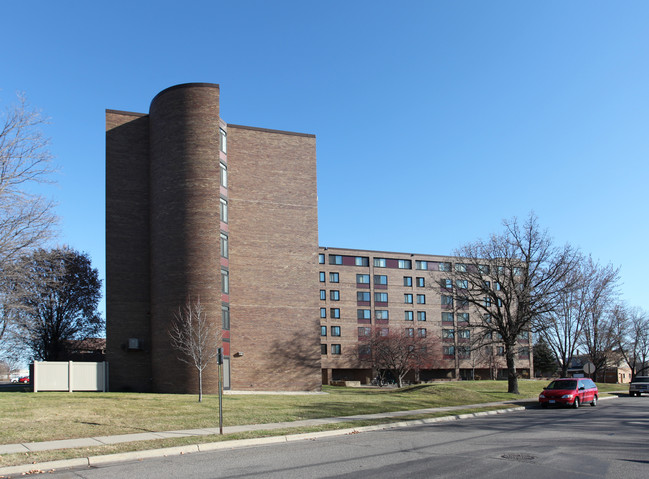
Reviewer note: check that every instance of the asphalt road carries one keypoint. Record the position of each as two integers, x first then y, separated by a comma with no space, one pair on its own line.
607,441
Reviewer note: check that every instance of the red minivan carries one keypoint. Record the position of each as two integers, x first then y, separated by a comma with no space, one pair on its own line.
569,392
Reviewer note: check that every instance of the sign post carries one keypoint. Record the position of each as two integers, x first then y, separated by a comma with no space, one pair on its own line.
219,362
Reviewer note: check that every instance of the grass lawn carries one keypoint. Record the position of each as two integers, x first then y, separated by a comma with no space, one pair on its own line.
29,417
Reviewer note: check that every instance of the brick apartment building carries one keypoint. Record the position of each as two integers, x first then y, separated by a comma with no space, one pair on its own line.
198,208
361,290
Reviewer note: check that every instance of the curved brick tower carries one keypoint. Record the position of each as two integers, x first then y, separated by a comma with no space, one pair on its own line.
184,237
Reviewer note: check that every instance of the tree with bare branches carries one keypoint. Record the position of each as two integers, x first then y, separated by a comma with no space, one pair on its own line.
195,337
632,333
599,332
399,353
562,328
511,280
26,219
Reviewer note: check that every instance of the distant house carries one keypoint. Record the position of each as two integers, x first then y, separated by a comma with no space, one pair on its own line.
617,372
86,350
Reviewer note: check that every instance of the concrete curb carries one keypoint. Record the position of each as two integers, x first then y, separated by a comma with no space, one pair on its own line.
234,444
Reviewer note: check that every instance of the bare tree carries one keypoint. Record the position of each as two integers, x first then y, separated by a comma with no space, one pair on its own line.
400,352
562,328
511,280
599,332
26,219
195,337
632,333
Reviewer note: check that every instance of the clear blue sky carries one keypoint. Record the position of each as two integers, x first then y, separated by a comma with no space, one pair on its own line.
434,119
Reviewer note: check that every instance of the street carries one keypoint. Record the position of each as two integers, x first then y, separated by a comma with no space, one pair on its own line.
607,441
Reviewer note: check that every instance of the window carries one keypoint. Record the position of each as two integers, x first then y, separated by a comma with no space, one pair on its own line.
334,278
463,302
381,314
487,302
363,314
224,245
364,351
322,276
323,312
224,175
499,302
323,330
335,259
363,296
321,258
460,268
524,336
462,317
464,334
334,295
410,332
498,286
421,264
524,353
323,295
361,261
223,140
518,271
379,262
381,297
483,268
405,264
334,313
380,279
486,285
421,282
447,283
500,351
407,280
335,330
407,298
463,352
448,350
448,333
362,279
323,349
421,299
335,349
408,316
421,315
447,300
384,331
224,210
447,317
486,318
225,281
462,283
421,332
445,266
364,332
225,316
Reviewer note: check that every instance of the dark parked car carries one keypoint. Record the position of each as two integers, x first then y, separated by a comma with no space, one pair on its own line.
639,385
569,392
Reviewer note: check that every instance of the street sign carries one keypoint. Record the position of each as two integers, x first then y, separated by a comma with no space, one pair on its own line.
589,368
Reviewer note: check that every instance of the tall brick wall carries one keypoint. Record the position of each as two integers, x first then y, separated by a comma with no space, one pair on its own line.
127,250
185,243
273,260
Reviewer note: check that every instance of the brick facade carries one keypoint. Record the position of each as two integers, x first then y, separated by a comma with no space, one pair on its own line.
164,229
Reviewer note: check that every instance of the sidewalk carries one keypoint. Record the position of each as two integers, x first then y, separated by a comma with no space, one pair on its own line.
145,436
